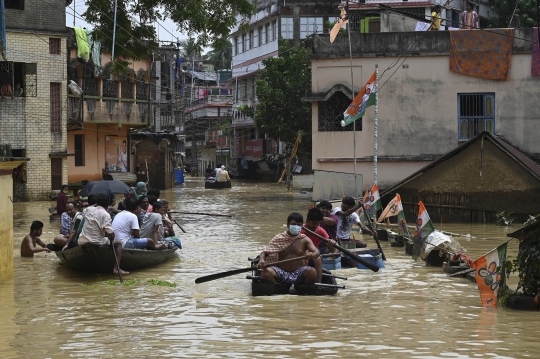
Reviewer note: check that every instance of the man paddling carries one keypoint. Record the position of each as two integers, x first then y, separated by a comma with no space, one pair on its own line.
346,218
287,245
314,219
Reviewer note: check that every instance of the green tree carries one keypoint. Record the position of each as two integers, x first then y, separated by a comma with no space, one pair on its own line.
135,33
221,54
282,84
527,10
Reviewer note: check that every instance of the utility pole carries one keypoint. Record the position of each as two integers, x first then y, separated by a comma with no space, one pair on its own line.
114,28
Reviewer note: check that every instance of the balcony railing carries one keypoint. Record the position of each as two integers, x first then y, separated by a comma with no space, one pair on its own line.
212,99
114,110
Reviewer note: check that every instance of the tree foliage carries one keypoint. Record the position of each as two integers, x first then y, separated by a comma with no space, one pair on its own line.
221,54
527,10
282,84
135,33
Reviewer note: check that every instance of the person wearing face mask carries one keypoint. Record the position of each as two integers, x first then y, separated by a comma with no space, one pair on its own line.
287,245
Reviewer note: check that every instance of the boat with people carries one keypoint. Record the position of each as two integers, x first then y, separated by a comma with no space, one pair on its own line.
210,183
260,287
100,259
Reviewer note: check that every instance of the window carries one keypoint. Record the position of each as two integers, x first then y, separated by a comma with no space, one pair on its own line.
264,35
14,4
476,113
260,36
251,42
56,108
267,33
274,30
235,45
331,113
245,42
241,44
287,27
54,46
310,25
256,39
22,74
79,150
56,173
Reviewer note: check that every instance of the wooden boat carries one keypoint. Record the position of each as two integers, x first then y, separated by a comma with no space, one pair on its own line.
100,259
215,184
259,287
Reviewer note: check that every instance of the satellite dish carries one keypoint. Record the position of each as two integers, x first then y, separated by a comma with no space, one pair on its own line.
75,89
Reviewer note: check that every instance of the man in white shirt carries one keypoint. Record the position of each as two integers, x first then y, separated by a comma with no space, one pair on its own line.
126,228
97,228
223,175
346,218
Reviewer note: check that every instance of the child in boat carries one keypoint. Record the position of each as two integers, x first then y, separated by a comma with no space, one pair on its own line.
287,245
28,245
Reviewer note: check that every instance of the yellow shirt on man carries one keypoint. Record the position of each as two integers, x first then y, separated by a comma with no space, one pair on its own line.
435,21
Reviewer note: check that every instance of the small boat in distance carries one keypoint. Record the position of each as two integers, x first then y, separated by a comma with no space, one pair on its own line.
99,259
215,184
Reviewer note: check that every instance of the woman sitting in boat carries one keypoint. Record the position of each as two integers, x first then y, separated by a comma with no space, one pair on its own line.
287,245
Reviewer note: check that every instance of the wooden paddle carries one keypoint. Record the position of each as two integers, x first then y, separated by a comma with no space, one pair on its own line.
179,226
372,230
211,277
348,253
202,214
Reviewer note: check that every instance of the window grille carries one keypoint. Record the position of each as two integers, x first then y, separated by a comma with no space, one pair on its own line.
331,114
90,82
127,88
310,25
110,88
54,46
56,173
13,73
56,107
30,77
476,113
142,89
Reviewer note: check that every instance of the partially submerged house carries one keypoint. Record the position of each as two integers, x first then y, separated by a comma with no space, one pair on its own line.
471,183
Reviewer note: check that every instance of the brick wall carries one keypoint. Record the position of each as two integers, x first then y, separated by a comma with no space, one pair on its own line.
38,16
28,118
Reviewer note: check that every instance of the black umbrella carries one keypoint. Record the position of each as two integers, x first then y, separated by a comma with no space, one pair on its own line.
96,187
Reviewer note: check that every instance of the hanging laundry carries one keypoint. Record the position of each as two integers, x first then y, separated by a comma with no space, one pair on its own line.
3,45
487,55
83,48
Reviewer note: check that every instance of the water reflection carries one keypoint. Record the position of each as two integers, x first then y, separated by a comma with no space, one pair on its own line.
404,311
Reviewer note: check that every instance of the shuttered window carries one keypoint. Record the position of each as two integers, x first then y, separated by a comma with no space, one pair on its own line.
56,108
54,46
56,173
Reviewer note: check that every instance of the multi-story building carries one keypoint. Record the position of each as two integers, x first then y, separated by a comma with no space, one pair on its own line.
33,121
294,21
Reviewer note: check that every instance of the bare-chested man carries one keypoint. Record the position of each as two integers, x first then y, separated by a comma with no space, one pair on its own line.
291,244
28,245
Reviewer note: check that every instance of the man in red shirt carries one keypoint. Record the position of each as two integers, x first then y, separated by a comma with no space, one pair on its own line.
314,219
62,200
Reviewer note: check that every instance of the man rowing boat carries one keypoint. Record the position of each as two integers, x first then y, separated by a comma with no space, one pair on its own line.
287,245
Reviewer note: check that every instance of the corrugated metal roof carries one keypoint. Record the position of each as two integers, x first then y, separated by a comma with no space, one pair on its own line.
203,76
403,4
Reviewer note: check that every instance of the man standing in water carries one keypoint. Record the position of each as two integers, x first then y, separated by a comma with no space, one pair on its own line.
62,200
346,218
97,228
28,245
287,245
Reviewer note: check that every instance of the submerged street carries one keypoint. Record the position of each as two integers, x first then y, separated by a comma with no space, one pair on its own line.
404,311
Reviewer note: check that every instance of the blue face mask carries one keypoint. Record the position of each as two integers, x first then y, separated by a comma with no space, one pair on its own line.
295,229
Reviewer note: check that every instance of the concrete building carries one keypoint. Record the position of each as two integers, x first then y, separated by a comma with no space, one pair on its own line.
34,123
425,110
273,19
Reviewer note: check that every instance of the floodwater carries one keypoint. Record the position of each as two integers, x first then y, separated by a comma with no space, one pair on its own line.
405,311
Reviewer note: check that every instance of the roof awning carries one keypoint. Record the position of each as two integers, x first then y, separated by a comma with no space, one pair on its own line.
60,154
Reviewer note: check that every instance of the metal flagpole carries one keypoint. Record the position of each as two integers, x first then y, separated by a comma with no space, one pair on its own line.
376,124
352,91
114,29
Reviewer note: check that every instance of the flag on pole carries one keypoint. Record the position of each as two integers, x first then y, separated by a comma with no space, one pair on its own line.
489,275
390,210
342,20
402,224
424,227
372,201
364,99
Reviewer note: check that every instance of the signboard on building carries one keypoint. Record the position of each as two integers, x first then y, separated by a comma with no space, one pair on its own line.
254,148
223,142
116,155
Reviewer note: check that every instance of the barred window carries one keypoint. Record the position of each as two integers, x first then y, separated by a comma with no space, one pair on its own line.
331,114
476,113
56,107
54,46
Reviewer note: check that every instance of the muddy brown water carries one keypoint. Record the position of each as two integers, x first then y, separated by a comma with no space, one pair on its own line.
405,311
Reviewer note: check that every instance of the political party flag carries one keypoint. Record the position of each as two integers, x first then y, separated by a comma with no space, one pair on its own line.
342,20
402,224
488,274
390,210
372,201
364,99
424,227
